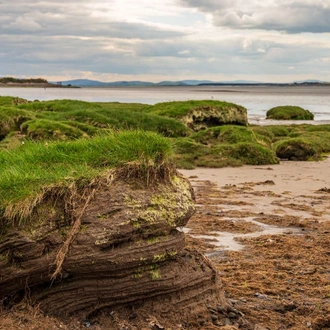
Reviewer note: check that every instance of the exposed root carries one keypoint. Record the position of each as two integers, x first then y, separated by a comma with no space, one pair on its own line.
87,195
63,251
149,173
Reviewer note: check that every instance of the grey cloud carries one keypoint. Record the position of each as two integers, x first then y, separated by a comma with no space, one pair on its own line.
71,18
290,16
41,38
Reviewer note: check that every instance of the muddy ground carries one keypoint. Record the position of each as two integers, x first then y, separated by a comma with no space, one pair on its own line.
267,231
269,240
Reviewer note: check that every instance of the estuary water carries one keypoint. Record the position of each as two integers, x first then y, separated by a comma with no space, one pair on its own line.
257,100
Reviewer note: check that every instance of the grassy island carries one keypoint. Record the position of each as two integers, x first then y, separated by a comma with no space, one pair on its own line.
289,113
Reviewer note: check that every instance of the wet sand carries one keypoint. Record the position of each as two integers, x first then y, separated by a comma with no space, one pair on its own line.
267,231
296,177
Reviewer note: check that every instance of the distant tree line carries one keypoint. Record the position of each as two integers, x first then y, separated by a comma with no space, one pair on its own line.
7,80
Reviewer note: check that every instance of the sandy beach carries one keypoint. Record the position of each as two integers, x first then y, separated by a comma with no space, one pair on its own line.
266,228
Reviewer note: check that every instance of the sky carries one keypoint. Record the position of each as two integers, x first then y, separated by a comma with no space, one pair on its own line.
156,40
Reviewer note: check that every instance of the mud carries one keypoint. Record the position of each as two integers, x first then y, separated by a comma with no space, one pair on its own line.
273,249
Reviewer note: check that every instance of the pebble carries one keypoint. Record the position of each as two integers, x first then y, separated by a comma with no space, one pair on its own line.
221,309
202,322
232,309
232,315
87,323
227,321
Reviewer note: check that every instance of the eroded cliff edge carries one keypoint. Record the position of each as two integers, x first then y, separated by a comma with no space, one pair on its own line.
126,251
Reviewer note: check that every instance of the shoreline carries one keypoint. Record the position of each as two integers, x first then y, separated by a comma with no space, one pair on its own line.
290,175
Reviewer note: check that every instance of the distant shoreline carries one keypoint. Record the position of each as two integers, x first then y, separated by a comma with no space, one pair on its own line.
35,85
148,85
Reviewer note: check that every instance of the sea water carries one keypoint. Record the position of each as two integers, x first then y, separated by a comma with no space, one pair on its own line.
256,99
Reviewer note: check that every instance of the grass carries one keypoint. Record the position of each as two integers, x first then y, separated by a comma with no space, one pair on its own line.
104,116
219,146
28,170
178,109
11,118
223,146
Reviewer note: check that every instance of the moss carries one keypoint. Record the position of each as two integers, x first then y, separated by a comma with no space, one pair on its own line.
165,256
138,273
155,272
170,205
289,113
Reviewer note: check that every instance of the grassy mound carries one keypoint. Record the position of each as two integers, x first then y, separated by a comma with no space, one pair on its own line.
295,149
177,109
28,171
11,118
98,115
198,115
224,146
289,113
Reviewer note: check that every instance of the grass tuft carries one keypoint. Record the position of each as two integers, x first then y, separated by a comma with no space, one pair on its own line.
29,171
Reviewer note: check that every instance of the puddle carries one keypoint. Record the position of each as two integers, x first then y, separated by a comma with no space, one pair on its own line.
227,241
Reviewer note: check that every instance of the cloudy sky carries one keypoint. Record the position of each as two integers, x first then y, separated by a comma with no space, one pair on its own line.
154,40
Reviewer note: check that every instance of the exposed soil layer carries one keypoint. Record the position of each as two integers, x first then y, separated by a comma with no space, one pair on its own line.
127,266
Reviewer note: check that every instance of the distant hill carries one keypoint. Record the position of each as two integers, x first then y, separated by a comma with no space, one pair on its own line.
138,83
96,83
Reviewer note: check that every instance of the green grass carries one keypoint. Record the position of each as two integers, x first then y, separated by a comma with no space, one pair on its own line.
177,109
11,119
104,116
288,112
218,146
27,170
296,149
6,100
228,134
41,129
224,146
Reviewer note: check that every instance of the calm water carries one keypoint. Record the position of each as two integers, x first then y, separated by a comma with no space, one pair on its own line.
257,100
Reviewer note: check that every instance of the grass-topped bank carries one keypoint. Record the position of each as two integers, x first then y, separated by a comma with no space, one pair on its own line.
202,133
28,171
